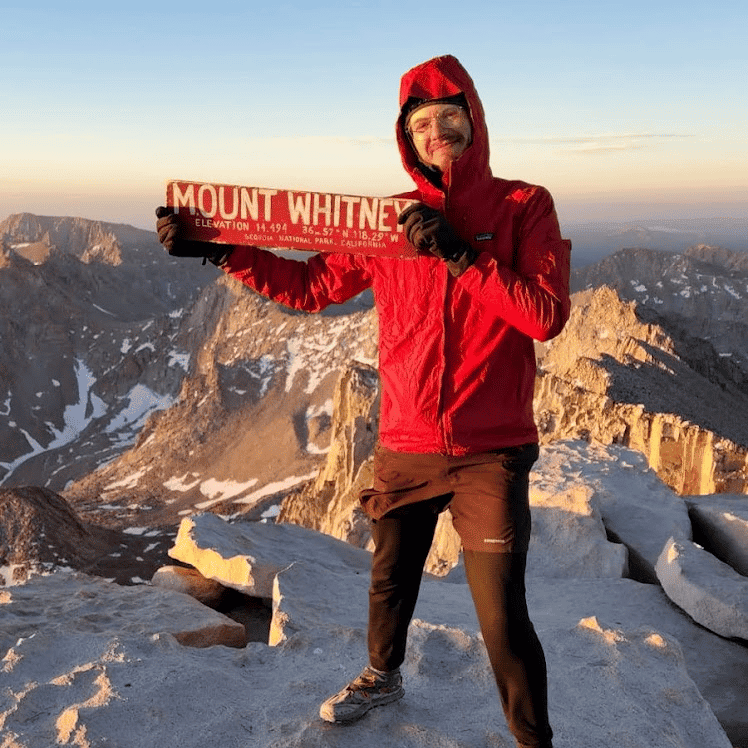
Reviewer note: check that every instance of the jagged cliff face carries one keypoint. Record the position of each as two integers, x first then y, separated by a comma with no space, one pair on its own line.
36,237
330,502
701,294
184,387
253,414
616,378
89,313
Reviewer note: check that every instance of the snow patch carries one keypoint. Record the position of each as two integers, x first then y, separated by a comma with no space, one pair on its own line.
277,487
295,362
271,513
732,291
181,359
221,490
76,418
142,402
128,482
187,482
318,410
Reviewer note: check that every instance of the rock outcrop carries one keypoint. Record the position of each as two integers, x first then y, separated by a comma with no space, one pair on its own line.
249,558
710,591
64,603
721,526
636,507
101,679
40,531
702,293
613,378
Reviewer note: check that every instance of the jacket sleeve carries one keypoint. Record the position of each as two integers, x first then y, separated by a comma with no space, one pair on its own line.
307,286
533,295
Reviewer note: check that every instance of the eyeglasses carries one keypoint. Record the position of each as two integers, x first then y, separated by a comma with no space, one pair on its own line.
452,117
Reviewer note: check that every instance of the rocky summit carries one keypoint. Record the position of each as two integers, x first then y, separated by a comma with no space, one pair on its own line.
91,662
182,555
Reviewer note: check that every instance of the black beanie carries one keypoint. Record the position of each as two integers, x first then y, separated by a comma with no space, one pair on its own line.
413,103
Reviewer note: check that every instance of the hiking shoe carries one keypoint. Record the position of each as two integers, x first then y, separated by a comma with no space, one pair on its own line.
370,689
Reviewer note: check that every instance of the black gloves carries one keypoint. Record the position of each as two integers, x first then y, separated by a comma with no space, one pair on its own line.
169,228
428,231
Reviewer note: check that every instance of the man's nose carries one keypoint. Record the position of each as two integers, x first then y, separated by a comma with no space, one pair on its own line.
440,124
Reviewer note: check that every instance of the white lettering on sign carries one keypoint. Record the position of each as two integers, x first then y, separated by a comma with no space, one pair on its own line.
267,196
226,202
349,203
299,207
184,199
207,189
250,203
384,205
320,215
326,209
229,215
368,213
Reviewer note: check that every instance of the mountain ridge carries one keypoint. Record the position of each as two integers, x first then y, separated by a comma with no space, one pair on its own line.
206,363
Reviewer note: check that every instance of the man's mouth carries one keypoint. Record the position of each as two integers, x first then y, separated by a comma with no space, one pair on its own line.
444,142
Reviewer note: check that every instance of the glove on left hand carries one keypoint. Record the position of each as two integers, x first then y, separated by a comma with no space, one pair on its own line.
428,231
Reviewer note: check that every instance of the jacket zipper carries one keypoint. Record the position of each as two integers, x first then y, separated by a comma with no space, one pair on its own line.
441,411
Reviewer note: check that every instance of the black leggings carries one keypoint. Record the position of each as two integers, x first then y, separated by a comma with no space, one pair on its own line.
497,582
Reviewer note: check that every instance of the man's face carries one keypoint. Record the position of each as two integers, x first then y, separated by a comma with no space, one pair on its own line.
440,134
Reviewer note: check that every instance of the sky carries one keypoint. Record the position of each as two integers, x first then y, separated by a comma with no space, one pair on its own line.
624,110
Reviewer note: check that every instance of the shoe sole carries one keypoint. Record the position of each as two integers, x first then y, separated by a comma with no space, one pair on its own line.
328,716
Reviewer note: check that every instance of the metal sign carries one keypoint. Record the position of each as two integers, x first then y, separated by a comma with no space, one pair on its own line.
290,219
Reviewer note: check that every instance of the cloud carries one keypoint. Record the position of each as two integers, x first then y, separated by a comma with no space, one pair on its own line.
602,143
316,142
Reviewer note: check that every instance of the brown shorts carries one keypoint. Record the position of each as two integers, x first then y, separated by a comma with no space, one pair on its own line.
486,493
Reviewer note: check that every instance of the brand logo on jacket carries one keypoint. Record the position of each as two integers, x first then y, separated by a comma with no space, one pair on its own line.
486,236
522,196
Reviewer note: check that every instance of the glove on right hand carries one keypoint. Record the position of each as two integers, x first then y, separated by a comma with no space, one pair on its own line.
168,228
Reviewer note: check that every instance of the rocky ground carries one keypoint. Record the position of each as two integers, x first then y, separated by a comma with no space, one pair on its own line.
130,665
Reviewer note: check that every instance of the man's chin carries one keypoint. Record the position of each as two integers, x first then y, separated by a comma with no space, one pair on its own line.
443,161
442,157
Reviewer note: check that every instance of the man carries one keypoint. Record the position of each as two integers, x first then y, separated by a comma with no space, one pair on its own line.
457,368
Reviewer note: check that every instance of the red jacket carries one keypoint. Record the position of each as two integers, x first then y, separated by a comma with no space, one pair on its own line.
456,355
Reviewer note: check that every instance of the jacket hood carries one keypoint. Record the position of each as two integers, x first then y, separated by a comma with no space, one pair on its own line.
439,78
